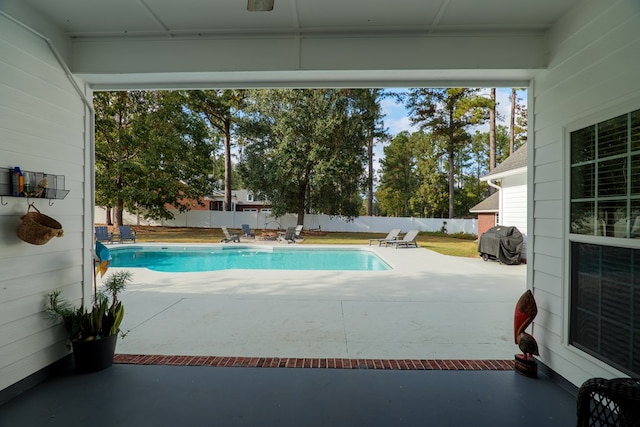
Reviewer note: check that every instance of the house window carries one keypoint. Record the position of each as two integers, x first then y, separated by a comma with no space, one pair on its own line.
249,197
605,304
605,261
605,178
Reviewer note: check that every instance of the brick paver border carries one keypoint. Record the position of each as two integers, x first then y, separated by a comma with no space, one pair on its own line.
325,363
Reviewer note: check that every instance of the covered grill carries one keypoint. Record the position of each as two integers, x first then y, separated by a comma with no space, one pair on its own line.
501,243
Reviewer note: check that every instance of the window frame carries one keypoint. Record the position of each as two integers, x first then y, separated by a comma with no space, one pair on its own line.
622,108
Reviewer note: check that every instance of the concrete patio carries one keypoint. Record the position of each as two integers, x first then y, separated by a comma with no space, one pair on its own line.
429,306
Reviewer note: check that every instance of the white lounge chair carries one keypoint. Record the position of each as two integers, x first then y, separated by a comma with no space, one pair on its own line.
228,237
393,235
409,239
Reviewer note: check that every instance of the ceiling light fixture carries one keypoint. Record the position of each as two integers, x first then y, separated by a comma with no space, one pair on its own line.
259,5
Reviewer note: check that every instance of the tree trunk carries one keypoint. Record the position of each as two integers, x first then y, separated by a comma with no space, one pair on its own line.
227,165
301,204
512,124
452,175
492,135
119,209
107,216
370,180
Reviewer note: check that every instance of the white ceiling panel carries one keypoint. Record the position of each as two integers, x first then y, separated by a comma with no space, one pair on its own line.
367,14
118,17
501,14
129,18
227,16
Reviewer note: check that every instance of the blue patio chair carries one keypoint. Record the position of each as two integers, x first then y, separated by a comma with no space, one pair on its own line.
103,235
126,234
247,231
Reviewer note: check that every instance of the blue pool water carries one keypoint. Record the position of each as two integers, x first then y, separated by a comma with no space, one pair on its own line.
180,259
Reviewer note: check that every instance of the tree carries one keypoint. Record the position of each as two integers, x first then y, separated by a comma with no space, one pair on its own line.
398,177
448,113
305,150
492,134
372,118
517,123
221,109
150,152
431,196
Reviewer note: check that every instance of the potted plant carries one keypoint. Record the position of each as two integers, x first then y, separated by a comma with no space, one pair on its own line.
93,332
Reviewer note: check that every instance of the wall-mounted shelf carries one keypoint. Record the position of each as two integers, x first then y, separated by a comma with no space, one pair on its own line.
36,185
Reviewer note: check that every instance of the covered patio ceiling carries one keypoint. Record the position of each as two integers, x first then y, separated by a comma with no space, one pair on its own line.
196,43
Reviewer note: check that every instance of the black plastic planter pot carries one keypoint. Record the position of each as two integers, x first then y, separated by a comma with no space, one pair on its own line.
96,355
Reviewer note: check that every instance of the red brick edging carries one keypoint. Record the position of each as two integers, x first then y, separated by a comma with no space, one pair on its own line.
329,363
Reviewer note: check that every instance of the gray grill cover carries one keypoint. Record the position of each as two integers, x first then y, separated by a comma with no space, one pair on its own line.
503,243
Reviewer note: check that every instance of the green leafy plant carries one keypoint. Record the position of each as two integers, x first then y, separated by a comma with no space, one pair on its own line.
102,320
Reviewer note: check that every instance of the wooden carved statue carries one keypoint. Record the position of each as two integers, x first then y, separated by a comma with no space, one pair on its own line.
525,312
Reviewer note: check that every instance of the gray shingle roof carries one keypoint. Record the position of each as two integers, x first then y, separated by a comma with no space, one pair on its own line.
490,204
515,161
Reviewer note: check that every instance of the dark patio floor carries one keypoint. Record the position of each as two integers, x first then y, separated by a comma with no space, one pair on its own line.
161,395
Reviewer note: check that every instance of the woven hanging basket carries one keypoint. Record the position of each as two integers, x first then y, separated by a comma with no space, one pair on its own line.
37,228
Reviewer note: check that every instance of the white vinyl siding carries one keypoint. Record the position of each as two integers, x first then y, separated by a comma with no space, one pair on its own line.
514,211
513,205
593,69
42,128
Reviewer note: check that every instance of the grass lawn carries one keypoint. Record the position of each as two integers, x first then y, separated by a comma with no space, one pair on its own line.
444,244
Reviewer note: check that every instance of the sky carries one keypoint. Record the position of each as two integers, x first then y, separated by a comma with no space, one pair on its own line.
396,117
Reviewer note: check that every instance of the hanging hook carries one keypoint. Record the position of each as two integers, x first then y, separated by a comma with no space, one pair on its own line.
2,202
50,202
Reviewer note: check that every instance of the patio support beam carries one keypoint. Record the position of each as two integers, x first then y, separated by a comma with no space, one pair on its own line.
404,59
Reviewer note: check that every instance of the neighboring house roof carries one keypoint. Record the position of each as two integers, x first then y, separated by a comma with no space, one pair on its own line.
490,204
239,197
514,164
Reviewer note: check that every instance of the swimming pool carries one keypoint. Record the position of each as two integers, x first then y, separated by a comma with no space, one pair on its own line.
181,259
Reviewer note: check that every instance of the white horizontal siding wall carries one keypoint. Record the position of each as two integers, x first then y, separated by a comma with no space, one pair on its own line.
513,204
42,128
594,66
514,201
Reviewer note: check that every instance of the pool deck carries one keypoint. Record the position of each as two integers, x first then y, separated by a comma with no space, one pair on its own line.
430,306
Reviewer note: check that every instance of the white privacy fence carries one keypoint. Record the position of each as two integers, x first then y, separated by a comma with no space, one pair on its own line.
373,224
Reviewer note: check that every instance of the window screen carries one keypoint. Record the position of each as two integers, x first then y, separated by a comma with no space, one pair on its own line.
605,304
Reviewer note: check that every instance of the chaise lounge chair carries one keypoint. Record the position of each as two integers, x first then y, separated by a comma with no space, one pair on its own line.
126,234
297,234
409,239
103,235
288,236
228,237
247,231
393,235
